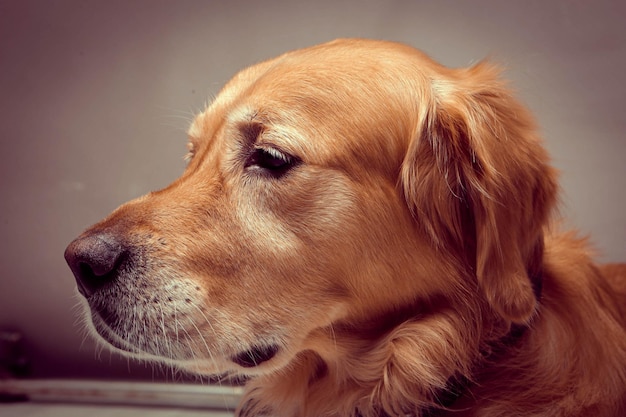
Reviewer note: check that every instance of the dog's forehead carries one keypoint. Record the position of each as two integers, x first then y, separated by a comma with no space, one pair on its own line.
340,96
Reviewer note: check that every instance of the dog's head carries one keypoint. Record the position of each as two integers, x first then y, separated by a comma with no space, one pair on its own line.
335,184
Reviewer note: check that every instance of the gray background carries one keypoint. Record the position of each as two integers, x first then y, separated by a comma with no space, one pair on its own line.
95,98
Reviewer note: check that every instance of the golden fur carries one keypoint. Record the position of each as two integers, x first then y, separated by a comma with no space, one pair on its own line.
364,232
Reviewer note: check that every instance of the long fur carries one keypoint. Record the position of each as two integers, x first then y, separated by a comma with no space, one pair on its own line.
403,260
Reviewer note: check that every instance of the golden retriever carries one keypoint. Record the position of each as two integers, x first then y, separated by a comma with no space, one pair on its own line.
361,231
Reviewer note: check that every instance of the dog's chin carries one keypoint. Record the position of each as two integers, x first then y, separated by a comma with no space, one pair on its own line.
107,336
258,359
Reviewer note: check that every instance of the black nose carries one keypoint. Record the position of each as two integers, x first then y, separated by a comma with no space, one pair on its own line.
94,259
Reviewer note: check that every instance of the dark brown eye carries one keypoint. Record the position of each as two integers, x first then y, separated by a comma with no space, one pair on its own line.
270,161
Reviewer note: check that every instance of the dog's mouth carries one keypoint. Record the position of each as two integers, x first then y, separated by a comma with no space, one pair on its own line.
106,323
255,356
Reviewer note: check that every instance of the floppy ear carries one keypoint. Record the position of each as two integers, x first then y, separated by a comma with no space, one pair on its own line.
477,179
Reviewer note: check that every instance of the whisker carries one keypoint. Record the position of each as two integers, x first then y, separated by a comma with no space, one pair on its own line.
206,319
208,351
168,345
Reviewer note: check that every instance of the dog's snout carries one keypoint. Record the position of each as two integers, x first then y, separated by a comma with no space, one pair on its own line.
94,260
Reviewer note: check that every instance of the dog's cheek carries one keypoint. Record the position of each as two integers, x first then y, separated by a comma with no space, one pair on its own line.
300,224
317,209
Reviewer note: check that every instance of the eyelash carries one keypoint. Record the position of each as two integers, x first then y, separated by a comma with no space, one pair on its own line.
270,161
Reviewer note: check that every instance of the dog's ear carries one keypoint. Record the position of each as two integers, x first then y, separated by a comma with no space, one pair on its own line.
477,179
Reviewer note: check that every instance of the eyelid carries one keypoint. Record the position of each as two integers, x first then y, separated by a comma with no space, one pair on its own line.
270,161
276,153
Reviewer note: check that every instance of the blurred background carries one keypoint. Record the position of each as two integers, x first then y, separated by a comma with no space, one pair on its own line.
96,96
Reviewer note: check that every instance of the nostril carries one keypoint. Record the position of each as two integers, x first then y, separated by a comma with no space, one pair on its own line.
94,260
87,273
86,280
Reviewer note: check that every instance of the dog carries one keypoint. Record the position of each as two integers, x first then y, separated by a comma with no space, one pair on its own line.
361,231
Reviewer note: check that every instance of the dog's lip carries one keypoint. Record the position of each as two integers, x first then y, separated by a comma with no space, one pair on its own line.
255,356
108,334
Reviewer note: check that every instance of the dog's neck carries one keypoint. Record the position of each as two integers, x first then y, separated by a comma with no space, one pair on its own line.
349,358
457,386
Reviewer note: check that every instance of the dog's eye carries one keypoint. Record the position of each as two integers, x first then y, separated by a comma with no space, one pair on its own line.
271,161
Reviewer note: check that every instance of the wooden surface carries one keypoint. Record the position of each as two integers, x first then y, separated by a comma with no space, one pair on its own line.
75,410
